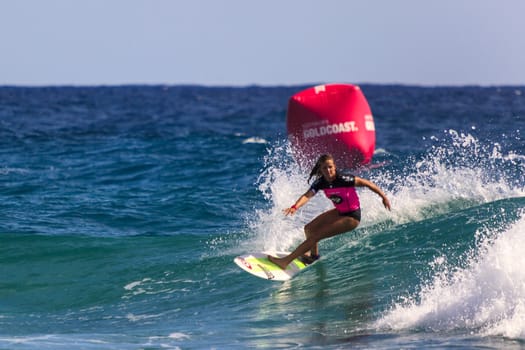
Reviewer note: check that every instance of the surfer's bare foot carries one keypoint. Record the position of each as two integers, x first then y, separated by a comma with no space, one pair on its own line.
278,261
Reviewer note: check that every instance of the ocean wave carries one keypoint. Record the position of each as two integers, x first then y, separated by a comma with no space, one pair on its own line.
483,294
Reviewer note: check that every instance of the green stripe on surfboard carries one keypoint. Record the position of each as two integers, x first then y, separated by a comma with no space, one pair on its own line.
258,265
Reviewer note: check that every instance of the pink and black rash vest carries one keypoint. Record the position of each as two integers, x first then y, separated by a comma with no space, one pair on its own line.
341,192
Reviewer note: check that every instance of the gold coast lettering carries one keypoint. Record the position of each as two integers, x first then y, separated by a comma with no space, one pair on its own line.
330,129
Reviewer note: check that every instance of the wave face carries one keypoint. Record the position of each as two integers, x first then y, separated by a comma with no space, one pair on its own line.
123,208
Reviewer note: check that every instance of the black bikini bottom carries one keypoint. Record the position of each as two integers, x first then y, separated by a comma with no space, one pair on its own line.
356,214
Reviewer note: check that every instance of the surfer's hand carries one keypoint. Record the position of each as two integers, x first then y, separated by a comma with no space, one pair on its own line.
290,211
386,203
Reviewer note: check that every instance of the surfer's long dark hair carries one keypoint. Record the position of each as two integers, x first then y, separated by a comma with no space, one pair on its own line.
316,170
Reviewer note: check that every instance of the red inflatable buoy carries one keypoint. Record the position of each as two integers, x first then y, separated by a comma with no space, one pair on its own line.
335,119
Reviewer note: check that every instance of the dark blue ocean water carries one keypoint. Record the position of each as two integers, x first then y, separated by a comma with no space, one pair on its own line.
122,208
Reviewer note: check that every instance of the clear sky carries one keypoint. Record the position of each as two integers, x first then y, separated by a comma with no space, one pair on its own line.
270,42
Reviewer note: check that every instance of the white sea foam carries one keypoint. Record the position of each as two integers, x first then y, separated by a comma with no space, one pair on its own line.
179,336
462,171
132,285
254,140
487,296
7,171
281,183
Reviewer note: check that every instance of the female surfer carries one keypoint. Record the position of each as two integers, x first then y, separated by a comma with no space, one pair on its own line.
346,215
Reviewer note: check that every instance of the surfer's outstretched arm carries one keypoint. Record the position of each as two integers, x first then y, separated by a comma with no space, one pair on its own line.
373,187
299,203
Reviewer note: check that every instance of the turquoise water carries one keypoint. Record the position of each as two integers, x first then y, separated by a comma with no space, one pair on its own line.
123,208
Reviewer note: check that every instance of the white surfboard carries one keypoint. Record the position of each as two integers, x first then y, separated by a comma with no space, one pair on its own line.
258,265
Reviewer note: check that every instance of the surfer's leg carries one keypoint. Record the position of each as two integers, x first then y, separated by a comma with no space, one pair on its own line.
326,225
311,228
299,251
